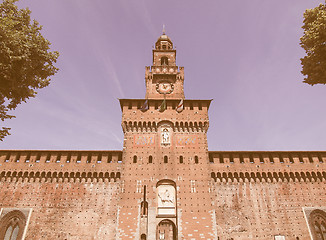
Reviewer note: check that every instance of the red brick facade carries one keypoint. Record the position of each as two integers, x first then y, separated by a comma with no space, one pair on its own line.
164,184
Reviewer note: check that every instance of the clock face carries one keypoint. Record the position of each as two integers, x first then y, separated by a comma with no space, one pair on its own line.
164,88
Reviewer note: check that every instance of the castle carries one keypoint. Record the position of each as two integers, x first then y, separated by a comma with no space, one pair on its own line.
164,183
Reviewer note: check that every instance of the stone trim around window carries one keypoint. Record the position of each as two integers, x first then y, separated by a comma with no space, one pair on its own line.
313,215
14,217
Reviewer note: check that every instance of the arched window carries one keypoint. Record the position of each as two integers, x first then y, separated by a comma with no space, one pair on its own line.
143,237
196,159
165,159
135,159
12,225
181,159
164,61
317,224
150,159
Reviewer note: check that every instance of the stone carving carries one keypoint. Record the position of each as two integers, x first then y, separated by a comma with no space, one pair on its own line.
166,197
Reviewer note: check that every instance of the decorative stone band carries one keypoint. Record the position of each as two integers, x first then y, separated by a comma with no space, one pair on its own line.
269,176
8,176
153,126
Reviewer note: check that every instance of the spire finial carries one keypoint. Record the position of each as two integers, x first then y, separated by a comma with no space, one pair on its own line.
163,29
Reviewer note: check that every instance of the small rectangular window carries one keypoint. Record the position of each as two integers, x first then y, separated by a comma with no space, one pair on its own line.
48,157
291,159
271,159
191,106
17,157
231,159
7,157
120,158
79,158
109,158
241,159
89,158
181,159
311,159
68,158
58,158
251,159
138,187
99,158
193,186
28,156
220,156
320,159
173,105
301,159
261,159
38,158
281,158
200,106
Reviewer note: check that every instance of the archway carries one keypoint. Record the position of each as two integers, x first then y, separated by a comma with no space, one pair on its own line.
166,230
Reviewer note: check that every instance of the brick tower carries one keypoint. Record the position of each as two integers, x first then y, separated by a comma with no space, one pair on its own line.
166,176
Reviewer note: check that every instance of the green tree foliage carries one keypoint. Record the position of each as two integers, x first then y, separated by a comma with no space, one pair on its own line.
25,60
314,43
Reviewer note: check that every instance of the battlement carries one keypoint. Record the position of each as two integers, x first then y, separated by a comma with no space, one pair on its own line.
154,104
64,161
268,166
242,158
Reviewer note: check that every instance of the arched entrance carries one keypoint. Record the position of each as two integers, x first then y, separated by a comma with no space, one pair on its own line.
166,230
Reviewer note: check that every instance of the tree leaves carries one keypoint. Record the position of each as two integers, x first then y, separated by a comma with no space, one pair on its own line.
314,43
25,60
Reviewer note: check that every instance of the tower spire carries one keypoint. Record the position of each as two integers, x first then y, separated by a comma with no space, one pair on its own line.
163,29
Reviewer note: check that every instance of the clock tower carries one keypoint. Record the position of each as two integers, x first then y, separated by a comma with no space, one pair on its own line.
165,188
164,79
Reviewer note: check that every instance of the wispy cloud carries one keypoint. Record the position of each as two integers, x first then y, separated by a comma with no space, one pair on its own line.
140,9
110,69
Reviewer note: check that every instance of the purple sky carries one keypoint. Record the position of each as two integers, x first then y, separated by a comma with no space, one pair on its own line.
244,54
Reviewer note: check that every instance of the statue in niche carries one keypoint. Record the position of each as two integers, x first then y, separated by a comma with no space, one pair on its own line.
166,197
165,136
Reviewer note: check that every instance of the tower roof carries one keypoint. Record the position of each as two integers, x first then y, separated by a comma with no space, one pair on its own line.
164,40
